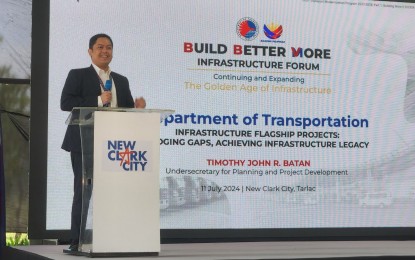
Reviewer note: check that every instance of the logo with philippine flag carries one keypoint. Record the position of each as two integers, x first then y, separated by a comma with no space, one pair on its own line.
273,30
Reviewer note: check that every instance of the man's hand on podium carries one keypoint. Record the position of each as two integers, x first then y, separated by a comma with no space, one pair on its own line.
140,102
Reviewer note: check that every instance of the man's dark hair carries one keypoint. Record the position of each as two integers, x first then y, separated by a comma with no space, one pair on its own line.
94,39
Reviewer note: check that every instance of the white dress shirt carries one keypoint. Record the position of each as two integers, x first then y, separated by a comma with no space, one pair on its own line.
105,75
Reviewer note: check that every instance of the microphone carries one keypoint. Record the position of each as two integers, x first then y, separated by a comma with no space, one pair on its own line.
107,87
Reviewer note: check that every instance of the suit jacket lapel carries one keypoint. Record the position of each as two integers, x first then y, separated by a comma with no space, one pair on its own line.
94,77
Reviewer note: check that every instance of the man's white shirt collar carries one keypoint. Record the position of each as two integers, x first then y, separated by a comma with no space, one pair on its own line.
101,71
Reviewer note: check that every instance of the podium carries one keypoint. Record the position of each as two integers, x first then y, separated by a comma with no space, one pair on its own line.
120,186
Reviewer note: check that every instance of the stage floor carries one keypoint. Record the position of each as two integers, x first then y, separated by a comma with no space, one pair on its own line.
261,250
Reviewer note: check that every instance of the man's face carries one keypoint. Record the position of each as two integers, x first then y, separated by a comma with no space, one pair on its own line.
101,53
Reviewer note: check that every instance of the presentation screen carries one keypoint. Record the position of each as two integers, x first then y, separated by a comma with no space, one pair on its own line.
288,114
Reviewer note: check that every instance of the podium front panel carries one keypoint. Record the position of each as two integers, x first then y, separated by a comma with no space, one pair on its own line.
125,200
120,182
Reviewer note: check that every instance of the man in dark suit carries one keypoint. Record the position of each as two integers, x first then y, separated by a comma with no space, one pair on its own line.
85,88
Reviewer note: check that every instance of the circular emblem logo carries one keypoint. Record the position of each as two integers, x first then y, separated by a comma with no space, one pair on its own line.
273,31
247,28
